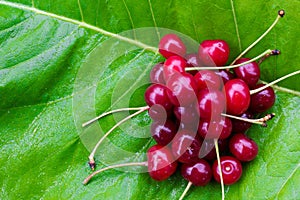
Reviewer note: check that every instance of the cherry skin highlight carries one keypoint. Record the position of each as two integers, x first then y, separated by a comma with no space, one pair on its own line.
214,52
242,147
161,164
163,132
171,45
249,73
237,96
173,65
198,173
207,79
231,170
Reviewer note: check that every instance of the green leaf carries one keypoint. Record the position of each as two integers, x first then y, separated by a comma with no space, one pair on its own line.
44,46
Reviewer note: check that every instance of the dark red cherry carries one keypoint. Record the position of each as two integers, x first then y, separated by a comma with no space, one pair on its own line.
174,64
157,74
208,150
187,114
211,103
237,96
263,100
220,128
207,79
161,164
242,147
198,173
157,94
159,113
214,52
182,89
170,45
186,146
231,170
192,60
239,126
163,132
225,75
249,73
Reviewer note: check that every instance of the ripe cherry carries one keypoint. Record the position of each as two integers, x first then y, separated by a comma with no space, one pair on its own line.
242,147
157,94
214,52
207,79
211,103
170,45
158,113
239,126
163,132
263,100
182,89
161,164
198,173
231,170
208,150
192,60
237,96
187,114
215,129
157,75
174,64
249,73
225,75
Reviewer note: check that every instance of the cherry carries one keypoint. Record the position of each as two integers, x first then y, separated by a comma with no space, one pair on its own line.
174,64
161,164
211,103
163,132
237,96
214,52
157,94
207,79
239,126
263,100
208,150
170,45
187,114
156,74
231,170
182,89
198,173
192,60
215,129
186,147
249,73
158,113
242,147
225,75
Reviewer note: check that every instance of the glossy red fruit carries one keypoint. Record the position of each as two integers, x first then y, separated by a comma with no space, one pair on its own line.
198,173
161,164
263,100
211,103
182,89
220,129
225,75
163,132
170,45
214,52
231,170
186,146
159,113
192,60
250,73
157,94
174,64
239,126
237,96
208,150
207,79
187,114
242,147
157,74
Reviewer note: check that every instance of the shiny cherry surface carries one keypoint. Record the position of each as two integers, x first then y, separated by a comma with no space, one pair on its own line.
157,94
170,45
174,64
263,100
250,73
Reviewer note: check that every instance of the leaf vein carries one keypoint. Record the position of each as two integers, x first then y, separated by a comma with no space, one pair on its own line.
236,25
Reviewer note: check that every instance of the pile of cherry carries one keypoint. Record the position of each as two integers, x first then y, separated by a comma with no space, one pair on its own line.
192,108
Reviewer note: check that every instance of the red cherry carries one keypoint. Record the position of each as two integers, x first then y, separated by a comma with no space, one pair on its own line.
237,96
174,64
171,45
208,150
225,75
249,73
220,129
187,114
207,79
242,147
239,126
157,75
161,164
263,100
157,94
231,170
163,132
214,52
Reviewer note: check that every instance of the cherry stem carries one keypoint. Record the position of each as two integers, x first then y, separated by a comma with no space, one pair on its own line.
274,82
280,15
87,179
261,121
91,156
220,169
276,52
267,52
186,190
110,112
